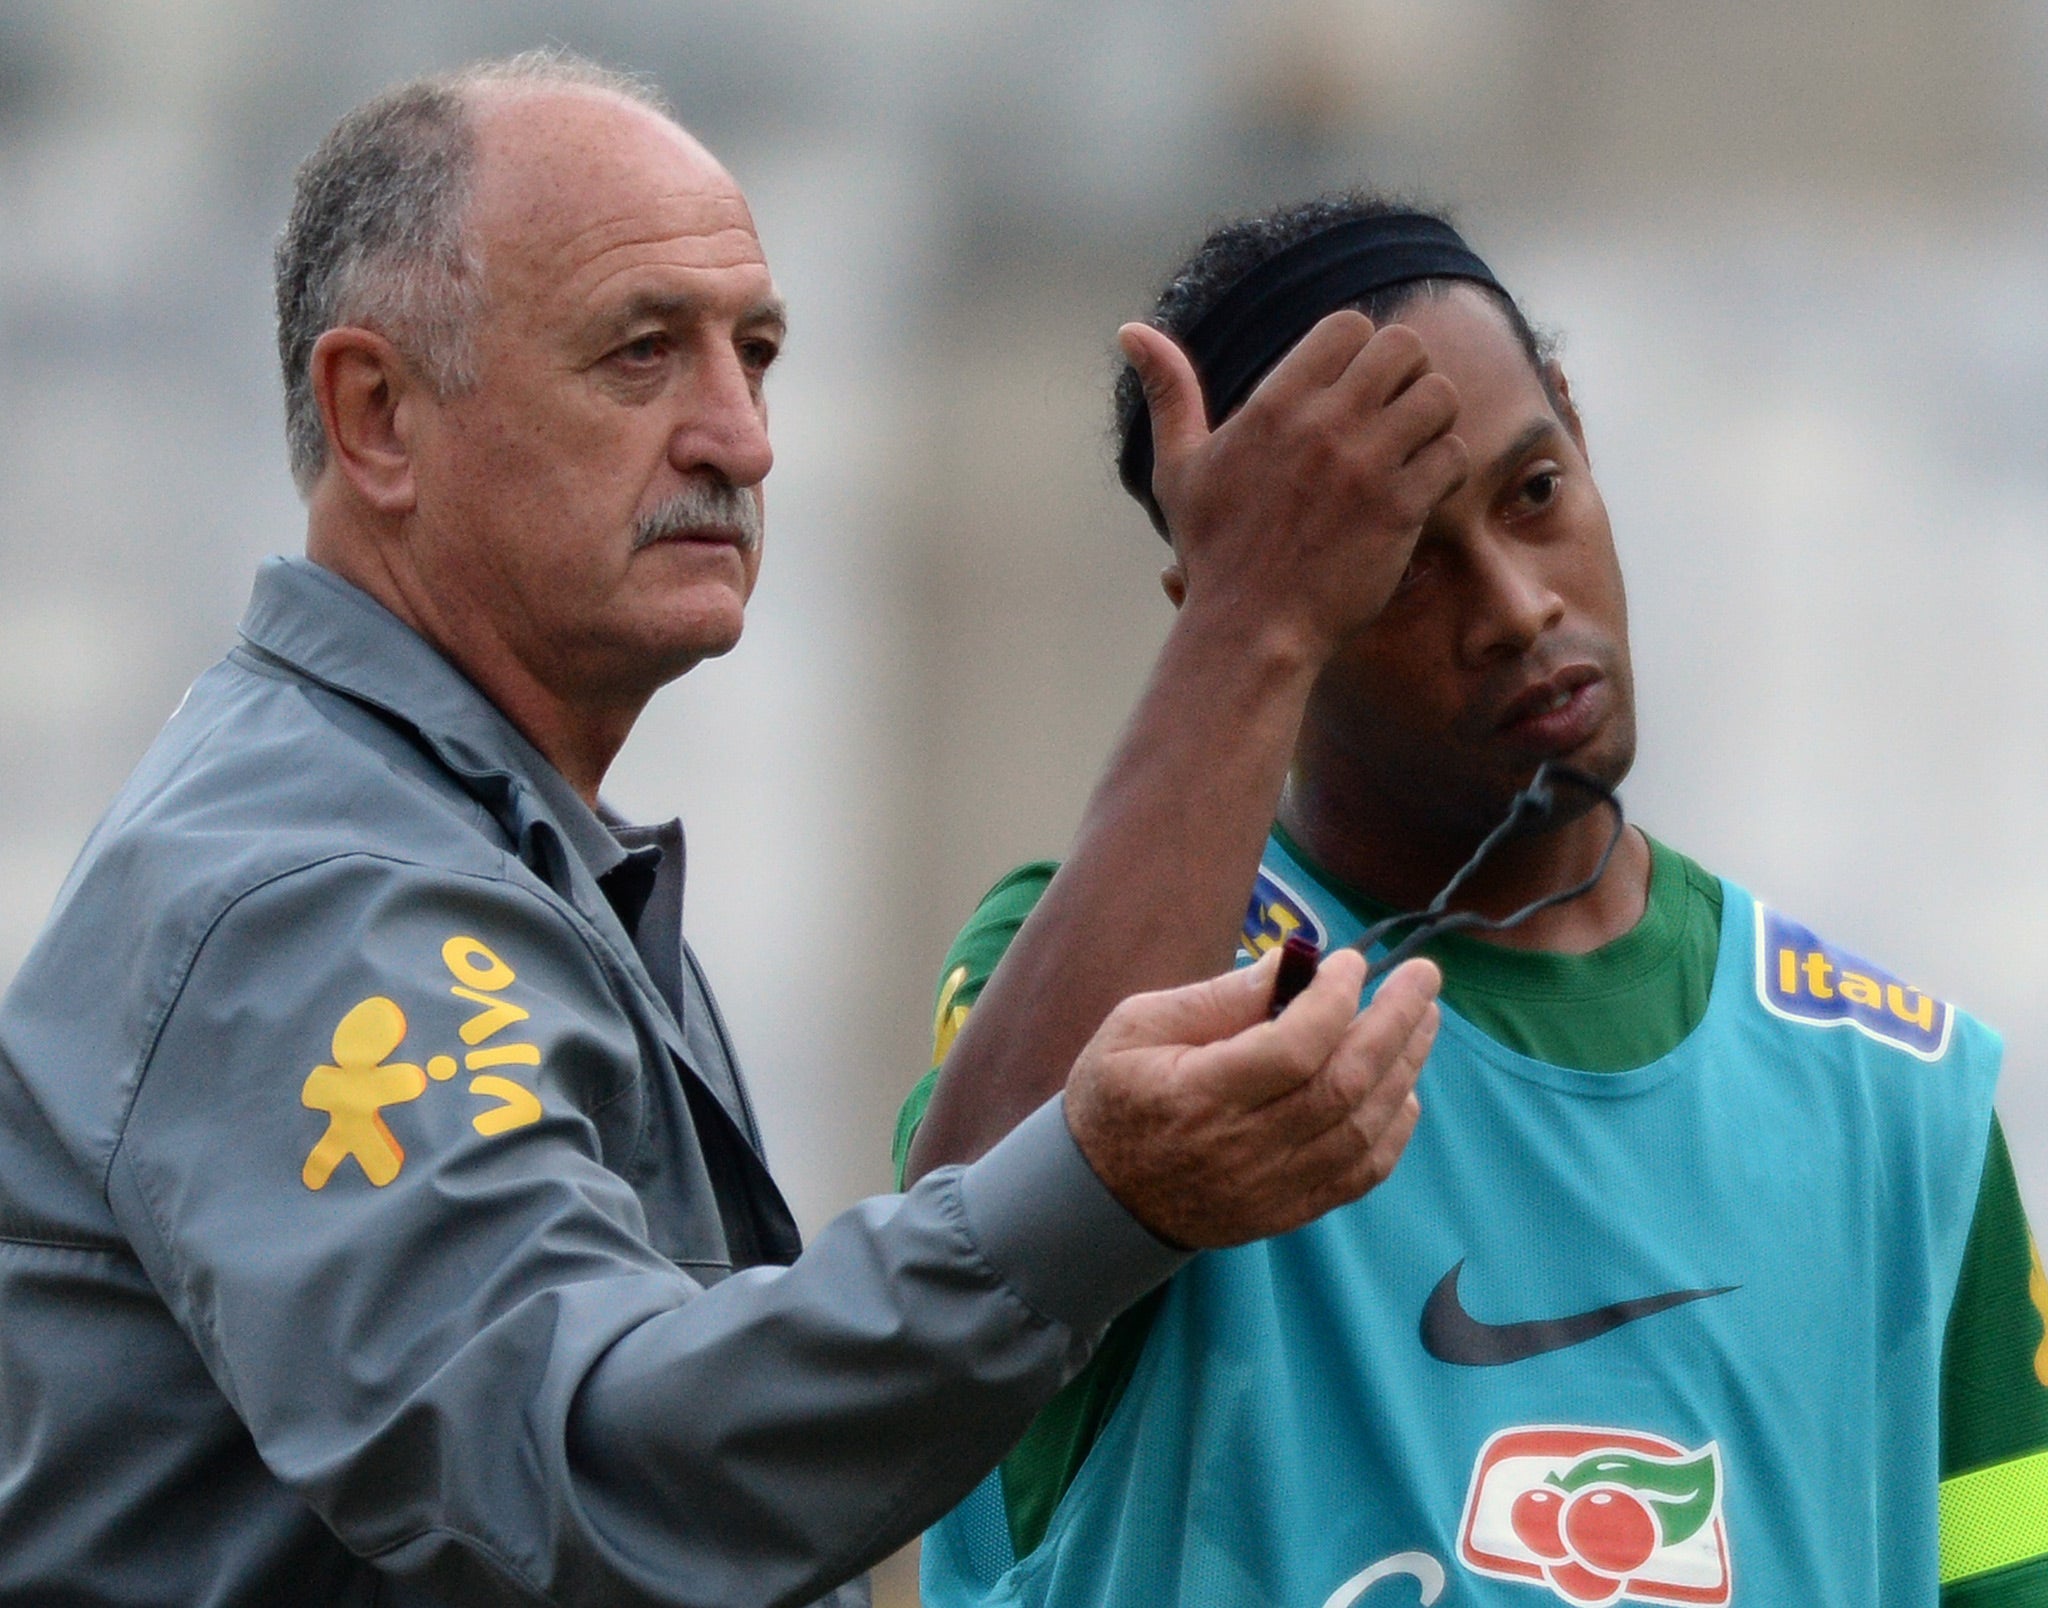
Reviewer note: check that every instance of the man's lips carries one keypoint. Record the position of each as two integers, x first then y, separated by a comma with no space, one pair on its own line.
1558,713
704,536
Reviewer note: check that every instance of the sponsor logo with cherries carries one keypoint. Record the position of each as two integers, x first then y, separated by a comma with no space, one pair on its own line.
1598,1515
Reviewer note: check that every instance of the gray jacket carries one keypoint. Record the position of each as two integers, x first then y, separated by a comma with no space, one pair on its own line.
380,1223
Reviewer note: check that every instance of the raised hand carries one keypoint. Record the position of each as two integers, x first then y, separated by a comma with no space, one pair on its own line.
1214,1126
1292,522
1306,502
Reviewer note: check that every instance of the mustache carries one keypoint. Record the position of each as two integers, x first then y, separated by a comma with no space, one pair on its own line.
702,505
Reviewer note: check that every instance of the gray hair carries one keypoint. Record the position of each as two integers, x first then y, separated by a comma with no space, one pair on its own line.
377,235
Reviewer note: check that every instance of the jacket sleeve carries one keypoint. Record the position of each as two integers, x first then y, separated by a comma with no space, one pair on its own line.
1047,1458
378,1166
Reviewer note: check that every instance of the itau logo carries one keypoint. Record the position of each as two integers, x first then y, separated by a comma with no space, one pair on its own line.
1598,1515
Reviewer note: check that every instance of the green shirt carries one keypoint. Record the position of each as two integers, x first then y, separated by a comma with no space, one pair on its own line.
1623,1005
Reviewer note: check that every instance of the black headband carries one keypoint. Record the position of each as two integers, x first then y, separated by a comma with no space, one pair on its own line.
1260,317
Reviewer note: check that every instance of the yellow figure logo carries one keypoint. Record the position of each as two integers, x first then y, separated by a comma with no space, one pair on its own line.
354,1091
2037,1287
946,1024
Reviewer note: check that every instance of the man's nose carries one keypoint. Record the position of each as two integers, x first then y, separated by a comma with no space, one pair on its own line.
1513,603
724,423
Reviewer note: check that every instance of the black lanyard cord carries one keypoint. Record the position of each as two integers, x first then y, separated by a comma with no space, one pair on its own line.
1532,803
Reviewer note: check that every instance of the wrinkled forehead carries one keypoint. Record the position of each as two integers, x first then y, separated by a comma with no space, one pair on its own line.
572,177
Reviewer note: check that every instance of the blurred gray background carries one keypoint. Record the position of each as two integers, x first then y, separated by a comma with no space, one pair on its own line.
1798,252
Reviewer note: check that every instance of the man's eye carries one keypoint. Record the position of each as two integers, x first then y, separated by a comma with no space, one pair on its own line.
1541,488
647,349
758,354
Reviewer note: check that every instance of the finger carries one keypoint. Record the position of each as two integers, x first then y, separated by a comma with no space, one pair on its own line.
1320,358
1336,1167
1385,368
1380,1086
1271,1060
1397,1010
1395,1041
1356,1092
1197,1013
1439,467
1328,1004
1173,393
1385,1045
1318,1172
1426,410
1299,1181
1402,434
1394,1137
1372,1167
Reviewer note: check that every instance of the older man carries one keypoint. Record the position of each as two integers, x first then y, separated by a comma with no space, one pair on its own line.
382,1217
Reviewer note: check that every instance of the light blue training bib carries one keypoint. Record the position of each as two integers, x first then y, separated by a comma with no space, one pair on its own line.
1669,1335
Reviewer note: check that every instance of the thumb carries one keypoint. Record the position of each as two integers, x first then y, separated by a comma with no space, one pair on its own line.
1202,1013
1173,395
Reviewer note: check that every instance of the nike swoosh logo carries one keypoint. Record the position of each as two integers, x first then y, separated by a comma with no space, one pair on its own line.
1451,1334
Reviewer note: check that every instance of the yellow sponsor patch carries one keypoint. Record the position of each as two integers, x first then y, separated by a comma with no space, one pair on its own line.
2037,1290
1275,914
362,1081
949,1018
1803,979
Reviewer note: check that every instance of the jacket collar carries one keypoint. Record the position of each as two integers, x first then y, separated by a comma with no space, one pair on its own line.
338,635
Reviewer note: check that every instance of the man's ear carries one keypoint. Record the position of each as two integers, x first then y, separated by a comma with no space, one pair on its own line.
1560,390
364,388
1173,581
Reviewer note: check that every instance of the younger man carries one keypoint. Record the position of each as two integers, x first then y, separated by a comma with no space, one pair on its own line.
1706,1262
